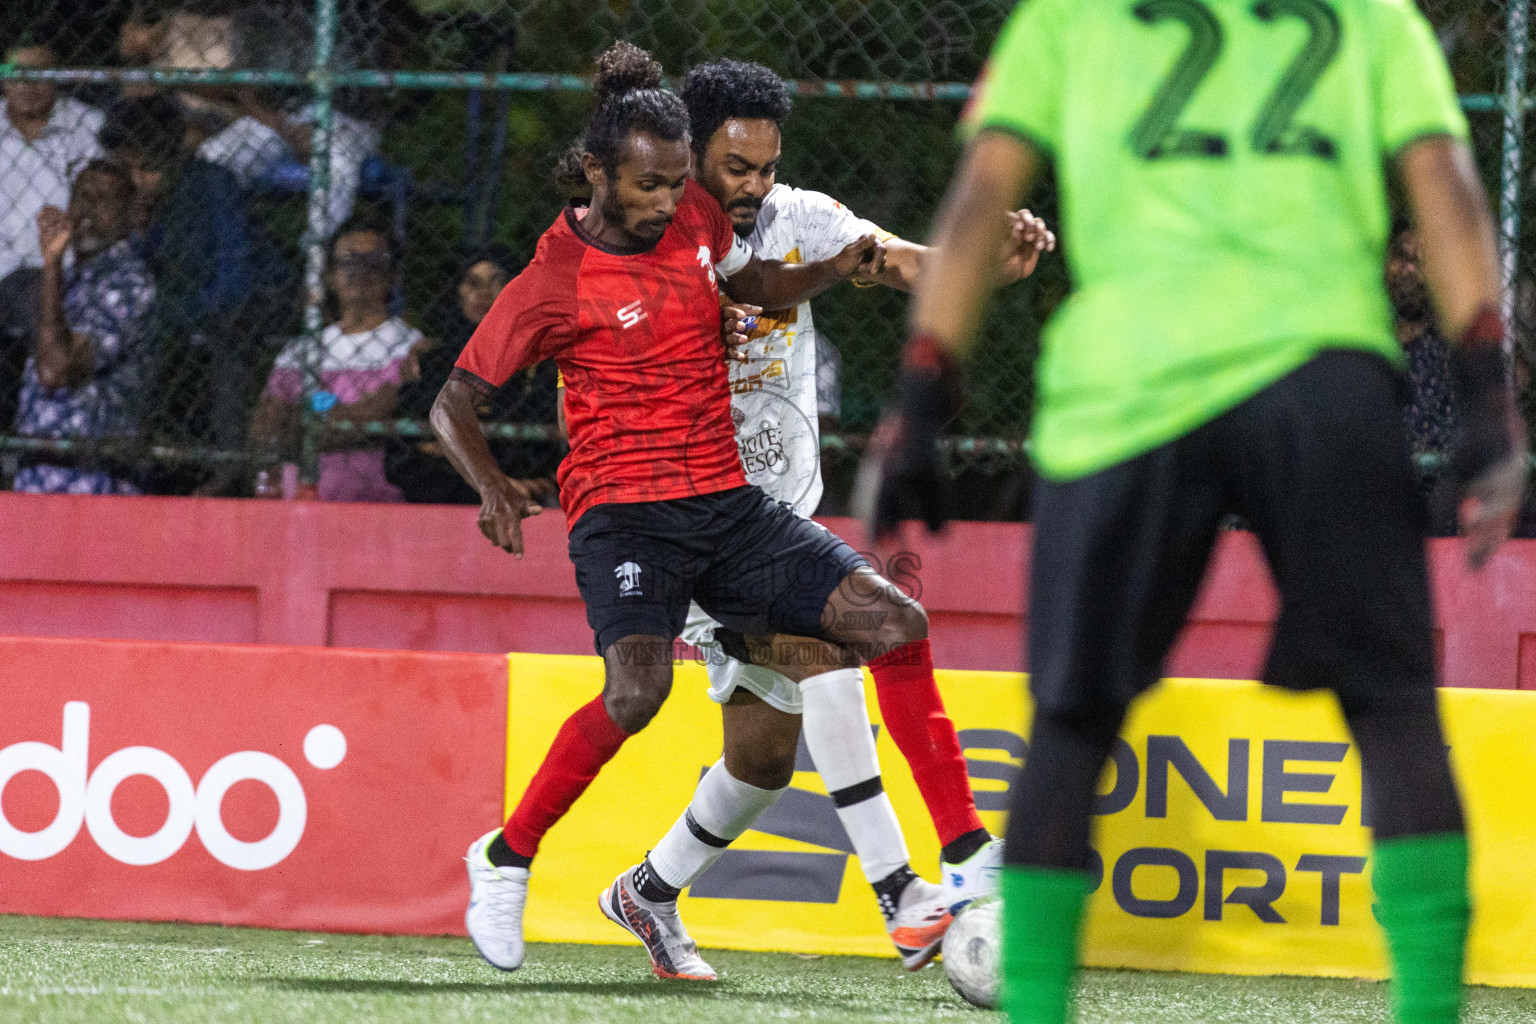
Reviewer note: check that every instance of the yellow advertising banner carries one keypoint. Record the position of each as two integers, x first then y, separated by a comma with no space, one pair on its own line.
1232,830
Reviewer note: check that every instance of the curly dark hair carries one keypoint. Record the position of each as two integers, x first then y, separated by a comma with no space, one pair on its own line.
630,99
149,125
724,89
570,177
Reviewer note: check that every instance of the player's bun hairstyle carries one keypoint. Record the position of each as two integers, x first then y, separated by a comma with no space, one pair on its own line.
715,93
630,99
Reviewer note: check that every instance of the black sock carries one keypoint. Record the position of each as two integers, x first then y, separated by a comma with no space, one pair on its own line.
651,887
965,847
503,856
889,889
1049,822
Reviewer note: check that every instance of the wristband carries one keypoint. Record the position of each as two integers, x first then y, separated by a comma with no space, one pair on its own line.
929,391
924,353
1477,360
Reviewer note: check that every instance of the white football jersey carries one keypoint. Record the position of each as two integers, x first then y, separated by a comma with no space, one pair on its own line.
773,395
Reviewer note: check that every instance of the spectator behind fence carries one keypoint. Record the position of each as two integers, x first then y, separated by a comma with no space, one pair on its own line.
417,465
360,363
83,379
222,288
45,139
1429,415
264,135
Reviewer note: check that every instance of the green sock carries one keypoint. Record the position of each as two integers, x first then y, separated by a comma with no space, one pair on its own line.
1421,901
1042,911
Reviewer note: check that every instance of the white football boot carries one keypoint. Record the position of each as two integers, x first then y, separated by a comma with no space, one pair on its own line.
658,927
496,900
918,922
974,877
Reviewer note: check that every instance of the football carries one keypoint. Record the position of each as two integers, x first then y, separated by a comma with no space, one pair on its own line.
971,948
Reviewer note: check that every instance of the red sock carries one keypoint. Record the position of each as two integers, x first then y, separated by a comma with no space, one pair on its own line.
587,741
915,717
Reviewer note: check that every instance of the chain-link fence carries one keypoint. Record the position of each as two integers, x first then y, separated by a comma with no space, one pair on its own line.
323,195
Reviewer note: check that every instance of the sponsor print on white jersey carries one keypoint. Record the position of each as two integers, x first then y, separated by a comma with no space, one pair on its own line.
773,394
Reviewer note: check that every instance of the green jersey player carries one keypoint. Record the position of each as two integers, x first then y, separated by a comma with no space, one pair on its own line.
1227,348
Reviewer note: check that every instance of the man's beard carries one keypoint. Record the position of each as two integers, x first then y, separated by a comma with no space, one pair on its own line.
613,213
755,205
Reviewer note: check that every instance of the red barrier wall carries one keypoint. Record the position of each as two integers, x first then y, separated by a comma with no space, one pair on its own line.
422,578
271,786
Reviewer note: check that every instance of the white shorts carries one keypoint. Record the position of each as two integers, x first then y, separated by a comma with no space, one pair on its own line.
726,673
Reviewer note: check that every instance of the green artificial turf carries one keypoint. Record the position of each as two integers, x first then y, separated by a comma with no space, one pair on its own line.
64,971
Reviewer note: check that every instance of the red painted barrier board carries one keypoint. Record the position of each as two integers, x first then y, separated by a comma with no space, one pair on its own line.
280,787
421,577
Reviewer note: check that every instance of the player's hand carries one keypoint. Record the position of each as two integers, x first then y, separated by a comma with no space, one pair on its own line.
502,511
736,322
1488,459
53,233
863,256
1028,239
902,475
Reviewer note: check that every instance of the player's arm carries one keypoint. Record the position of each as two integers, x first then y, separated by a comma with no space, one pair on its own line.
504,502
902,473
1460,259
1028,238
772,284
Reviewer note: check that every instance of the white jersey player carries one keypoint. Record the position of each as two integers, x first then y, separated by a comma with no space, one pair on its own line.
774,403
735,109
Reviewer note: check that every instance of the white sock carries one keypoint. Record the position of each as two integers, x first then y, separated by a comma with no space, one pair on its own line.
723,808
835,721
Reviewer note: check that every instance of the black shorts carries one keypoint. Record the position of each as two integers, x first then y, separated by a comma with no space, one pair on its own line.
1318,465
751,563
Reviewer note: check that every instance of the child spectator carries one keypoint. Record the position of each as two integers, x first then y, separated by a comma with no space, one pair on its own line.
360,363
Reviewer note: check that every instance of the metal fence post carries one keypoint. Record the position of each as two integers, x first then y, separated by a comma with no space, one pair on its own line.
316,399
1511,180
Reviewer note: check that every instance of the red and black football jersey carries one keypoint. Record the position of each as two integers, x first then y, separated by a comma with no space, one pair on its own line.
637,339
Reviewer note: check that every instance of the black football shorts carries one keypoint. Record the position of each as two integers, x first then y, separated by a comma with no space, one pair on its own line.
751,563
1318,465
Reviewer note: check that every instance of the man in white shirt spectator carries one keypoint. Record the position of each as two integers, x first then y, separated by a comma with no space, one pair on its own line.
265,135
45,141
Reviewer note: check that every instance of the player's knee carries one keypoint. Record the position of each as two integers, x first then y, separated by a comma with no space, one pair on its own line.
905,621
632,699
768,765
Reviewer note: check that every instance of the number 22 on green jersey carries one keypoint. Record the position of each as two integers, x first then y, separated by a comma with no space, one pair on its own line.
1157,134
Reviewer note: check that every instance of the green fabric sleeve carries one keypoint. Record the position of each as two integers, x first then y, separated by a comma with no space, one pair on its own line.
1415,96
1020,89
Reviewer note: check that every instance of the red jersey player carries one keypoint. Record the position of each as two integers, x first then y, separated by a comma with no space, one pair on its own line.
626,302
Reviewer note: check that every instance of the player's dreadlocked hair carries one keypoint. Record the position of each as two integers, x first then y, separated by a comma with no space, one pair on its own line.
724,89
630,99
